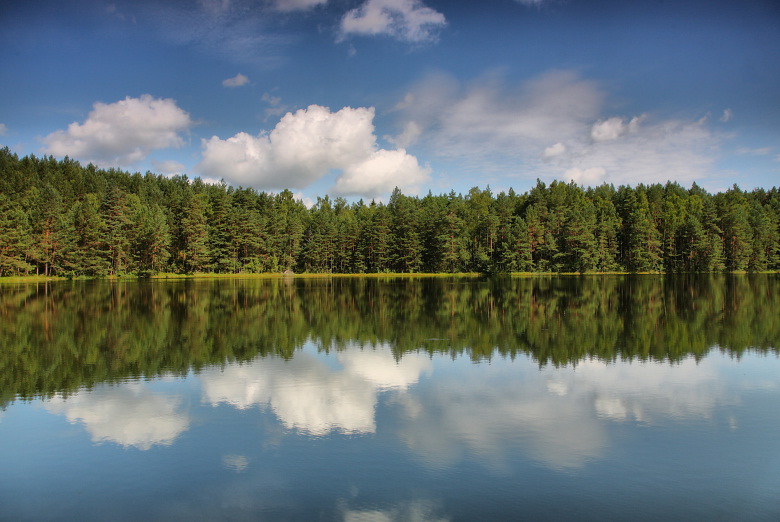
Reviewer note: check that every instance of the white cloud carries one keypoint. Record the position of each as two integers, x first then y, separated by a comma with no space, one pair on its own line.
498,413
554,150
122,133
3,129
307,201
273,101
310,396
614,128
296,5
168,167
491,117
491,126
236,81
276,108
408,136
303,392
129,414
305,146
381,173
727,115
556,416
591,176
405,20
379,367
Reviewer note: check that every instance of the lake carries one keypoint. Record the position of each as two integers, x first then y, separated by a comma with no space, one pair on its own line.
544,398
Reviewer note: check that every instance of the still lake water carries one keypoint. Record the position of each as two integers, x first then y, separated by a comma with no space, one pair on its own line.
558,398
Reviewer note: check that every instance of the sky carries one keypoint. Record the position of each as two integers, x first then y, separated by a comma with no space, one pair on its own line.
353,98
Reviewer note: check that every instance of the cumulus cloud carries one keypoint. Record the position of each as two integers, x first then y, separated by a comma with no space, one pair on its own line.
381,173
379,367
310,396
614,128
236,81
122,133
308,144
304,394
551,126
405,20
130,415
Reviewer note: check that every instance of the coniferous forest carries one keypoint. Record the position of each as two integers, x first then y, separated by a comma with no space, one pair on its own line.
60,218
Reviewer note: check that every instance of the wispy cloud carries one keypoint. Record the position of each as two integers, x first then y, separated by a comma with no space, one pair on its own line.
761,151
236,81
296,5
122,133
275,106
553,126
238,31
405,20
168,167
3,129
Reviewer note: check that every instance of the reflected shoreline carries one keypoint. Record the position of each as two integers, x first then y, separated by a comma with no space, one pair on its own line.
64,336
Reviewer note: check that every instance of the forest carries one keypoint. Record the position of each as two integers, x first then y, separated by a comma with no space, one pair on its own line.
60,218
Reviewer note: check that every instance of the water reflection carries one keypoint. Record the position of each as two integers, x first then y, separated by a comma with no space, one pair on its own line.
129,414
65,336
442,410
412,511
359,430
558,417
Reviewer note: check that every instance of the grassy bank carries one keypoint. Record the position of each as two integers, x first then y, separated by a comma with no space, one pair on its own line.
211,275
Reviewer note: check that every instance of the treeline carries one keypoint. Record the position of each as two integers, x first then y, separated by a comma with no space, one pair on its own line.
58,217
67,335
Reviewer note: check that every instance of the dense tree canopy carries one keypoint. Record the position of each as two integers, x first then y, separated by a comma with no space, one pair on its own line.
58,217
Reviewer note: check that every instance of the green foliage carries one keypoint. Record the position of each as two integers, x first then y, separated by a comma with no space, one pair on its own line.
58,218
61,336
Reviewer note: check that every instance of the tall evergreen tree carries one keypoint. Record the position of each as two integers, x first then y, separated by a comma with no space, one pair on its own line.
195,253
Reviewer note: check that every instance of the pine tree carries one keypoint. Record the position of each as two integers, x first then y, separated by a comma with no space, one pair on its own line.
406,246
116,241
195,253
90,255
15,238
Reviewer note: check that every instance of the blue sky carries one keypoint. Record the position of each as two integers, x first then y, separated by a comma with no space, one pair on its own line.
355,97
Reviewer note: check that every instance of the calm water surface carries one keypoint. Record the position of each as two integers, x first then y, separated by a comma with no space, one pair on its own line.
591,398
